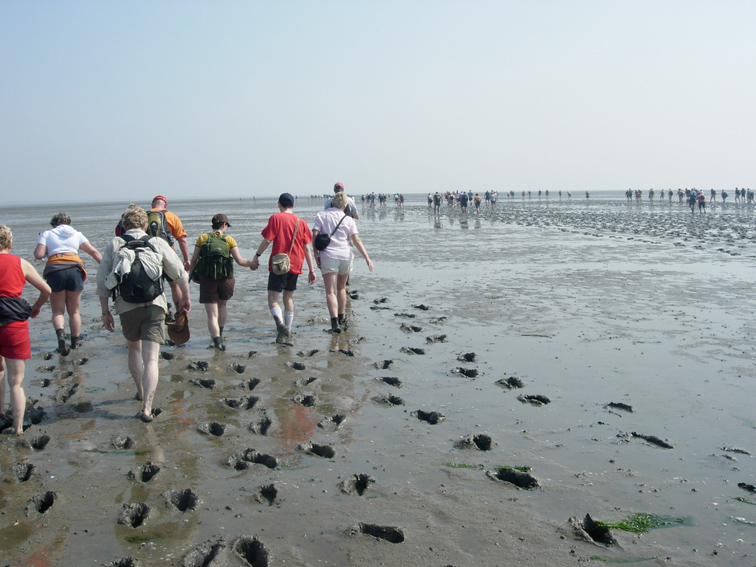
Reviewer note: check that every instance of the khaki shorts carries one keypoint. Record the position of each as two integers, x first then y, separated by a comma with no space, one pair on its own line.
331,266
144,324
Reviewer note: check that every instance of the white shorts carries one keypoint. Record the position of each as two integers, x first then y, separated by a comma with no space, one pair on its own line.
331,266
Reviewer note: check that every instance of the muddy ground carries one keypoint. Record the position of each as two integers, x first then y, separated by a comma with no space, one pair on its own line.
605,350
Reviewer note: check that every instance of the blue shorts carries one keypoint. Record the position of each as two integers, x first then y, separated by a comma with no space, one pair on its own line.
68,279
285,282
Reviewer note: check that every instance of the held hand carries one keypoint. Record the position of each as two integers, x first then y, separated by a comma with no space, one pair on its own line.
185,304
187,265
254,264
107,320
311,278
35,312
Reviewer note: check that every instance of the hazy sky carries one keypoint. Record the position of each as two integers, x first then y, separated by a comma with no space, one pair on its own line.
114,100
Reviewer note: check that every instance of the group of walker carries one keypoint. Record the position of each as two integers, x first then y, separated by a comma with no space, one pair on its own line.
143,248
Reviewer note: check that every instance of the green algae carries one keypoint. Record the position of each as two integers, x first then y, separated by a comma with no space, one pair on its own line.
642,523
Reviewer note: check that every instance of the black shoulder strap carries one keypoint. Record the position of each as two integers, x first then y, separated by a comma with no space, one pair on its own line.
337,226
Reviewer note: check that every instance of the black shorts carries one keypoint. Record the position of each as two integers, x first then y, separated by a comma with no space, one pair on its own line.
68,279
287,282
213,291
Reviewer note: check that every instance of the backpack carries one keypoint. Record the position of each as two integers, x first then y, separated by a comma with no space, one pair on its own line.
157,225
137,286
215,259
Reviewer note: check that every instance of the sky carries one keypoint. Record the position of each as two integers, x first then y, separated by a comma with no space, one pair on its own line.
122,100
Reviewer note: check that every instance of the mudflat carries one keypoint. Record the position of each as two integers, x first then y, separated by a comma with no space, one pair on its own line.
541,385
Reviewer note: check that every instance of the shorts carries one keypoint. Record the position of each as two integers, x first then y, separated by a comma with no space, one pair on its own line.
145,323
332,266
14,341
214,291
67,279
287,282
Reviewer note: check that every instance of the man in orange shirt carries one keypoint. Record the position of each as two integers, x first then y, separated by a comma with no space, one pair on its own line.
167,226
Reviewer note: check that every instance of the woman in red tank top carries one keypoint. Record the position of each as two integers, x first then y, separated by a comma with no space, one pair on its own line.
14,327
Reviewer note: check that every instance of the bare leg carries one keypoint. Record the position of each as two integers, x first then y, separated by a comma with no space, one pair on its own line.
212,319
330,282
341,293
58,307
222,313
136,366
15,372
2,386
150,353
73,303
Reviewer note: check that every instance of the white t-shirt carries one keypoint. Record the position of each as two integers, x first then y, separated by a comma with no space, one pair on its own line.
62,239
339,248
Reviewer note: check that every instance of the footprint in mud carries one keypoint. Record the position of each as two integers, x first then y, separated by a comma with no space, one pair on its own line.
207,383
468,372
481,442
199,366
735,450
48,355
123,562
239,368
620,406
747,487
242,403
534,399
410,328
653,440
251,353
81,361
122,442
407,315
308,353
296,365
384,364
391,381
181,500
213,428
389,400
467,357
134,515
431,417
438,320
36,415
412,350
251,384
261,426
46,368
354,295
325,451
343,351
306,400
64,394
356,484
422,307
266,494
241,460
589,530
381,300
332,423
46,383
144,473
510,383
165,355
39,443
40,504
23,471
518,478
305,381
251,551
389,533
205,555
435,339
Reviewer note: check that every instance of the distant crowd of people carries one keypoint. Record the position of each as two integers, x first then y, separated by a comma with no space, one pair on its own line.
137,261
693,197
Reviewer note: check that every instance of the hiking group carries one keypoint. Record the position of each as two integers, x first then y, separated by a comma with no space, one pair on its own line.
141,256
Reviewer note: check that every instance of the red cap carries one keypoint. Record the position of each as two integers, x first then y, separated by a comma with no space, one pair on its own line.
161,198
338,187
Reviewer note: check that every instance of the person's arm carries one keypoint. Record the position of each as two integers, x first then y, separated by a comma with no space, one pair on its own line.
236,255
185,304
107,316
40,251
260,250
308,258
193,261
92,251
33,277
361,248
184,247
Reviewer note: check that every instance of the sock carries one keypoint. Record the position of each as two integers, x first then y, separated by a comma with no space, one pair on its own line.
75,341
61,333
221,331
341,318
288,319
276,312
334,322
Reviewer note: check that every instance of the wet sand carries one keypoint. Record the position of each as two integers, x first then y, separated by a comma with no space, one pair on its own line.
633,323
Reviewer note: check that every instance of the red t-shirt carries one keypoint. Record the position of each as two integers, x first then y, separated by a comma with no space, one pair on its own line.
12,280
280,231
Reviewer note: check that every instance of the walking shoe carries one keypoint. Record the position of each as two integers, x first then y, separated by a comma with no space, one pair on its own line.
283,332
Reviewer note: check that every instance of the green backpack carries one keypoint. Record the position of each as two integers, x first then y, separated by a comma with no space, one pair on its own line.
215,258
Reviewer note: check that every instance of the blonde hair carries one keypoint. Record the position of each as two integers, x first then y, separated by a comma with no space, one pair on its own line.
339,201
6,237
134,217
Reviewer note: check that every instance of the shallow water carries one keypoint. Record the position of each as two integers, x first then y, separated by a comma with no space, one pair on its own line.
587,303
